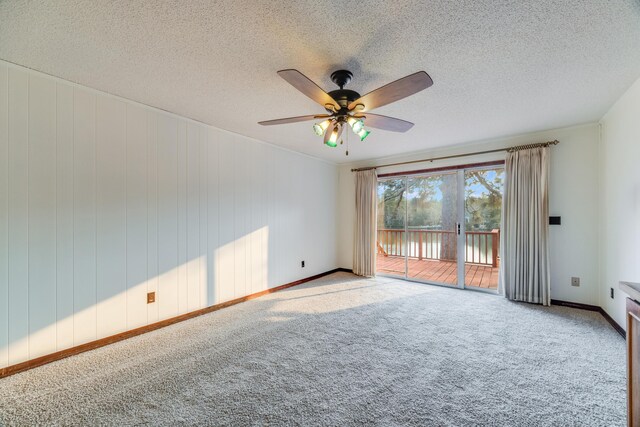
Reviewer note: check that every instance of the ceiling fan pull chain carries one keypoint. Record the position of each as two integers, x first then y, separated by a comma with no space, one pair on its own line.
347,153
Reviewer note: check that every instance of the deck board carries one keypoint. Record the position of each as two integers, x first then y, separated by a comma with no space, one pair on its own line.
481,276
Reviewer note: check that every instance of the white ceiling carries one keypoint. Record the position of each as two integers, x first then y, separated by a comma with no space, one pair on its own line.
499,67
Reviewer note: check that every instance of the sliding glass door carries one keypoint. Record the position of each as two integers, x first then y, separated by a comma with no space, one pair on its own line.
441,228
392,208
482,217
432,218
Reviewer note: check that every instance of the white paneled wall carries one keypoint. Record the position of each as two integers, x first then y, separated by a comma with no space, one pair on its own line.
103,200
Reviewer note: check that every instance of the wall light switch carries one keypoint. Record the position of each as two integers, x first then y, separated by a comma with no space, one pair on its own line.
575,281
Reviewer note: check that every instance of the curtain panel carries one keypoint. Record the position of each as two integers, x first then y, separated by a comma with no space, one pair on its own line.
364,253
525,246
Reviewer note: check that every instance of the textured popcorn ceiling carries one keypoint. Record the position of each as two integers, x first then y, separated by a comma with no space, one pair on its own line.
499,67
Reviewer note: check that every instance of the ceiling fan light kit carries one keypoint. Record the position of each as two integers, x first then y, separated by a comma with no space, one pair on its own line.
356,123
363,133
319,128
347,107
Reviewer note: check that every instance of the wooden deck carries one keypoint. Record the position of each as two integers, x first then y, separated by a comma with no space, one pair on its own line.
480,276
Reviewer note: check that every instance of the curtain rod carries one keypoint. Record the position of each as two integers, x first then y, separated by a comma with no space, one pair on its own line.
508,149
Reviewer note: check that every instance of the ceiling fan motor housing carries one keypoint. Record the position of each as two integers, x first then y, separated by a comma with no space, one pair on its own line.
344,97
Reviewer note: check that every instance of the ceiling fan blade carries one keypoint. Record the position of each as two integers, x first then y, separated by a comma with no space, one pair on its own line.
385,123
293,119
393,91
308,87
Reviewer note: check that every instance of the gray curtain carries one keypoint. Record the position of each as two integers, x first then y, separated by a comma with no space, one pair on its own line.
525,246
364,248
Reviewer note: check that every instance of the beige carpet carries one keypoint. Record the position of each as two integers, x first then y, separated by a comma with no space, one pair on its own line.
343,351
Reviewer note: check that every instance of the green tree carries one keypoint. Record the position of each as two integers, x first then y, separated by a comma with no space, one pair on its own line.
483,204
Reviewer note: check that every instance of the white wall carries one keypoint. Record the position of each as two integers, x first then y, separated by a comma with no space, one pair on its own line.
103,200
573,195
620,200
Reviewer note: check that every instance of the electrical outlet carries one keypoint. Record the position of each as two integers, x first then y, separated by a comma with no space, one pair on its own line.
575,281
151,297
302,264
612,294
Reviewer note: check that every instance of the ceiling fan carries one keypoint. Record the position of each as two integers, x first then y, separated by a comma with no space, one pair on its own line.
347,107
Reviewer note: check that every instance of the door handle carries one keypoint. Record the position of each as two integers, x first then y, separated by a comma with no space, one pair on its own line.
458,225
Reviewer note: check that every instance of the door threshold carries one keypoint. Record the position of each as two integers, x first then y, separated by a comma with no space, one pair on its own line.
442,285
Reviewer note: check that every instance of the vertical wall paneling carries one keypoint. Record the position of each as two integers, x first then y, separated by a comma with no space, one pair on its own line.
4,215
248,184
152,213
281,216
136,204
111,219
304,195
193,216
84,217
212,212
285,215
42,216
18,215
263,216
314,196
183,273
294,229
283,181
103,200
259,217
64,216
240,216
167,297
203,220
254,256
226,221
272,219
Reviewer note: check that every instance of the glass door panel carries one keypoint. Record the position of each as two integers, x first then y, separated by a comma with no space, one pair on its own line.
432,216
483,207
391,239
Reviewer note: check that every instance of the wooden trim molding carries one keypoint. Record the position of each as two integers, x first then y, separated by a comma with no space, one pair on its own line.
575,305
33,363
633,358
613,323
600,310
43,360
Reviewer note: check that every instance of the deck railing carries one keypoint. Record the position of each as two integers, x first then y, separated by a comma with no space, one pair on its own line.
481,247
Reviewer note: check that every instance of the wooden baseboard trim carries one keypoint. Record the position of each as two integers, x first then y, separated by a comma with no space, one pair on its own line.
33,363
596,308
613,323
575,305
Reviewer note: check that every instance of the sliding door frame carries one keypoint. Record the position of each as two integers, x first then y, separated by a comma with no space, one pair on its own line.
460,222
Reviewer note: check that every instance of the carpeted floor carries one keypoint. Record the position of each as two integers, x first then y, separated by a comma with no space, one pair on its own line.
343,351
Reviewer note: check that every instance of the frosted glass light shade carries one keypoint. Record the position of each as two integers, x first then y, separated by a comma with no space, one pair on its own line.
319,128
